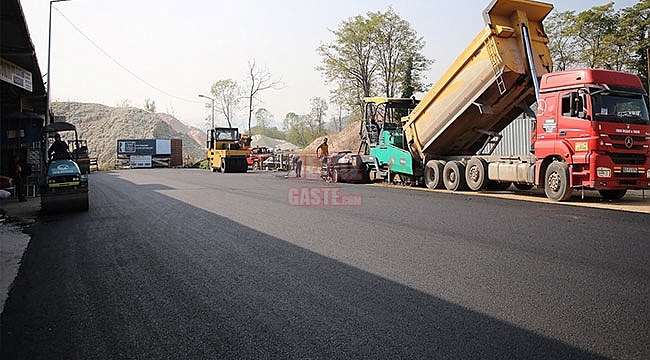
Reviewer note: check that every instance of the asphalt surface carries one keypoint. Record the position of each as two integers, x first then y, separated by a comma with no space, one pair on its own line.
179,264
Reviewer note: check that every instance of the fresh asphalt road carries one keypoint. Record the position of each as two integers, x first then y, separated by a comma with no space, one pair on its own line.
188,264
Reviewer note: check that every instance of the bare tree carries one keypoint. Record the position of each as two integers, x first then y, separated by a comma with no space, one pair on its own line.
227,96
149,105
259,80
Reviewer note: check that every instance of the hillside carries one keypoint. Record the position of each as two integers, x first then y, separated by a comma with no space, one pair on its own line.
103,125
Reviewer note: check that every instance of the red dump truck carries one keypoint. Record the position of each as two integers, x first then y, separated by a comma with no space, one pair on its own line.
591,130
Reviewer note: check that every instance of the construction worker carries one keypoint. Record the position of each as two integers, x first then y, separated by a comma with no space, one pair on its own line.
322,152
297,164
59,149
17,174
323,149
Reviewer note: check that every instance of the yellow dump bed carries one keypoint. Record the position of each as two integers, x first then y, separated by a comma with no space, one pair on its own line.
486,87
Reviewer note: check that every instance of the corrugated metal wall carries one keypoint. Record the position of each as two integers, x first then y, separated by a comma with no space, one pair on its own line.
516,138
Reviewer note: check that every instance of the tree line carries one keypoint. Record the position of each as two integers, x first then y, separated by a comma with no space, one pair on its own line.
602,37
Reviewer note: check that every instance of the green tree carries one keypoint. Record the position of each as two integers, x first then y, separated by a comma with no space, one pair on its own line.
263,118
370,55
636,22
602,37
595,30
318,112
272,132
349,58
300,129
562,44
397,54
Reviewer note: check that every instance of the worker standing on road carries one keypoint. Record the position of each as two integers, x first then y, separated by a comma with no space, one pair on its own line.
297,164
17,174
322,152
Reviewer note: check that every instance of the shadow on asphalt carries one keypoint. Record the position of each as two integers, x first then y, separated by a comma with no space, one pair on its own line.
92,285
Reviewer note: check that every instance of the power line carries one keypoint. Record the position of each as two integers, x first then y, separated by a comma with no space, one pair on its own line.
122,66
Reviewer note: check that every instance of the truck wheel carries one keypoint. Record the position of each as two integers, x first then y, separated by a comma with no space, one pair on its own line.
556,181
433,174
476,173
256,166
224,168
612,194
335,176
453,176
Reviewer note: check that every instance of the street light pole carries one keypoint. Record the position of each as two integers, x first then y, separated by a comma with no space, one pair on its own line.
212,117
49,45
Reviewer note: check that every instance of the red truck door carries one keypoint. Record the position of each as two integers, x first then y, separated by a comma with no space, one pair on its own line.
574,129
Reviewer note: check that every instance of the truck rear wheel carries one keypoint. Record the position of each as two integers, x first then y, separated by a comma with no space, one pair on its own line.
556,181
476,173
224,167
453,176
433,174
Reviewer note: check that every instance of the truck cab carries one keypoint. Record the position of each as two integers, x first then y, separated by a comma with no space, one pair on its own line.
596,122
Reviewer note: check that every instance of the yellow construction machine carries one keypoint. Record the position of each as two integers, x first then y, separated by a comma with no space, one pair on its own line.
227,150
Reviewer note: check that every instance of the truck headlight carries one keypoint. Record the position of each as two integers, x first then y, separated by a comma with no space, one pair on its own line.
604,172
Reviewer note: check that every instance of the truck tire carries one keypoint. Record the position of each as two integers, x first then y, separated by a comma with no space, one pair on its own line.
224,167
556,181
433,174
453,176
612,194
476,173
256,166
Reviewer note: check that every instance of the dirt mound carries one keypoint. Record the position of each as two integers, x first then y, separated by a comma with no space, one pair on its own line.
103,125
346,139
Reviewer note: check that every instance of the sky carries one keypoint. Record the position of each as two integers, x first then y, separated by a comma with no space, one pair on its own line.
170,51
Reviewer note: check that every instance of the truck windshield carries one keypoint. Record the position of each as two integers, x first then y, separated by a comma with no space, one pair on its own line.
229,134
622,108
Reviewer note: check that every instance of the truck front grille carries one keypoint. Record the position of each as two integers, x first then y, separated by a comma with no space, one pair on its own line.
630,159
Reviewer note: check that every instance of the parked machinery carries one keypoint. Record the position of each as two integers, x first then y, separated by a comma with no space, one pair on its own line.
65,186
591,130
226,152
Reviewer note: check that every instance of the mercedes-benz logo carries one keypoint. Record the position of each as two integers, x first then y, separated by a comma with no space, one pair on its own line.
629,142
